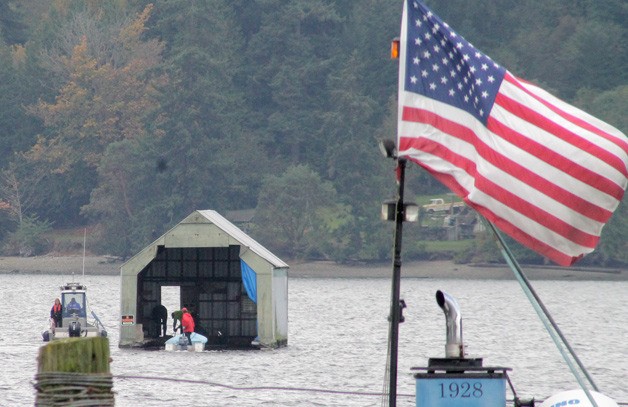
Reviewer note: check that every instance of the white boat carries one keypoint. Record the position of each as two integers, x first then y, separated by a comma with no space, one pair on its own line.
181,342
77,320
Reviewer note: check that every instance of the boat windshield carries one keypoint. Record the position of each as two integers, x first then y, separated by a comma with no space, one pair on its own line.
73,303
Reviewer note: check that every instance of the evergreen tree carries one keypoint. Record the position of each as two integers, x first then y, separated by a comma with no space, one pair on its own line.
289,61
12,27
290,211
214,161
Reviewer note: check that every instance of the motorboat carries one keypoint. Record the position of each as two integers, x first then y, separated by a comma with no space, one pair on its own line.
77,320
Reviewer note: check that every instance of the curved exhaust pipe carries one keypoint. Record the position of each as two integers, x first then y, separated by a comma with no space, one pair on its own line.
454,348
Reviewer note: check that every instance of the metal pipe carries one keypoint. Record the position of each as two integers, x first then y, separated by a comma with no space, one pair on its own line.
454,348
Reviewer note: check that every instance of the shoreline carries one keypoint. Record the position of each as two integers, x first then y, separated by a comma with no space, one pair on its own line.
441,269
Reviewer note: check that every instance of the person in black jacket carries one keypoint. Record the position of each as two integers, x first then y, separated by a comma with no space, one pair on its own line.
160,318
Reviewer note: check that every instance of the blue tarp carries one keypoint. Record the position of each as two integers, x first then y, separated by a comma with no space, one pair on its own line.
249,278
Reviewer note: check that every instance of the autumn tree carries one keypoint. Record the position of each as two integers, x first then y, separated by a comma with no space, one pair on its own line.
108,94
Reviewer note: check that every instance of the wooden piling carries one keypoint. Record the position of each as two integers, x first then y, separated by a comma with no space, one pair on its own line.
74,371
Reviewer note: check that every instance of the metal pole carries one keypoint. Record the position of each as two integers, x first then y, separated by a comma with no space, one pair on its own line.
395,305
544,315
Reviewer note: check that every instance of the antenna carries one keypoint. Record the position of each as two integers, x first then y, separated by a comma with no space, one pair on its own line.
84,238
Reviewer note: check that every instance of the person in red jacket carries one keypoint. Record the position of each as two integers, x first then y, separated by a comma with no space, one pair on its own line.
187,322
55,312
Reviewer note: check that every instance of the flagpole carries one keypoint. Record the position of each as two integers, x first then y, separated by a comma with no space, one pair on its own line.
395,303
544,315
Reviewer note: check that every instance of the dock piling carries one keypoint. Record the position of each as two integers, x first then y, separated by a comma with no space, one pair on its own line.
74,371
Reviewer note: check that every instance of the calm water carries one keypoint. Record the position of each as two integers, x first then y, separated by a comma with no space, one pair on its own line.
337,341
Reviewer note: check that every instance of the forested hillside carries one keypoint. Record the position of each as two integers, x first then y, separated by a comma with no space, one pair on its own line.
126,115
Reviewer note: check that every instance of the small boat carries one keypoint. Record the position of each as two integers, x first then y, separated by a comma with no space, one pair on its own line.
75,320
180,342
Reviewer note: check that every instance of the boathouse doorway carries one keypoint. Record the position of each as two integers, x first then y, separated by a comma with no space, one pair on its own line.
171,299
211,288
236,290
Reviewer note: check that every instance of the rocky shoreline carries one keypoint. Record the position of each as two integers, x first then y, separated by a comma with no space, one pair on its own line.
104,265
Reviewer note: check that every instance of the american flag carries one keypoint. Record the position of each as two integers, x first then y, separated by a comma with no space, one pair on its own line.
544,172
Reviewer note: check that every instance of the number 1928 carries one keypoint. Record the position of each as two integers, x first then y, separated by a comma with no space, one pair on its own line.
454,390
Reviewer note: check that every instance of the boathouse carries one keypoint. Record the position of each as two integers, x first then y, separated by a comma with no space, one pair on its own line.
235,288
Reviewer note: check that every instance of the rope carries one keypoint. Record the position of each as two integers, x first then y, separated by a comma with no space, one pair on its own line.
58,389
283,388
230,387
386,384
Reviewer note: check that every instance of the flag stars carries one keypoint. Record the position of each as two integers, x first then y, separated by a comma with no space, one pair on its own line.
444,66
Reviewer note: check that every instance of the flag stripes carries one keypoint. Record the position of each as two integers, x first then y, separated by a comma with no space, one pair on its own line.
541,170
